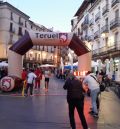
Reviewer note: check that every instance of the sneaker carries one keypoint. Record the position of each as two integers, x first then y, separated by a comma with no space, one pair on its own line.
25,95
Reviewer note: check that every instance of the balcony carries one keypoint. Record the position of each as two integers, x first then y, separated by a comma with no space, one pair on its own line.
115,23
20,23
48,61
85,24
97,16
114,2
91,22
90,38
105,9
12,30
105,29
106,50
114,48
84,38
97,34
20,33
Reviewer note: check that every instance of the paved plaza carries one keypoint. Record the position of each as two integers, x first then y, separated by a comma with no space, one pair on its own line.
49,110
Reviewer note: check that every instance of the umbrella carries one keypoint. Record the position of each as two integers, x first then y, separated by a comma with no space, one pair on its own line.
3,64
47,65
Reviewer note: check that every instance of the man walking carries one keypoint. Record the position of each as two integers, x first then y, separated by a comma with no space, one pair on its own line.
30,79
75,99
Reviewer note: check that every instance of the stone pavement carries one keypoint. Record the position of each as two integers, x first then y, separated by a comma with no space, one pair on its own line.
48,110
109,111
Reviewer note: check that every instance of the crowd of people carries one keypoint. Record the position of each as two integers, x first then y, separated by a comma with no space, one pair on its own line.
77,89
32,79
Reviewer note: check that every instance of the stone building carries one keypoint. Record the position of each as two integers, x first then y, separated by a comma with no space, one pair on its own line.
97,23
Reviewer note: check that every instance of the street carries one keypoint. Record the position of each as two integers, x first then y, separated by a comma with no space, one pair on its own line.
48,110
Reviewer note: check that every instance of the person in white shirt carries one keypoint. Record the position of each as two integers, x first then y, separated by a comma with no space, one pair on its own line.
47,76
91,81
30,79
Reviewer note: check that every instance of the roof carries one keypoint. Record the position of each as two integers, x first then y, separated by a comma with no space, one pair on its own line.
11,6
82,7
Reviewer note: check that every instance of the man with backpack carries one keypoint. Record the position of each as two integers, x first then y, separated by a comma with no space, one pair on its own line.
90,81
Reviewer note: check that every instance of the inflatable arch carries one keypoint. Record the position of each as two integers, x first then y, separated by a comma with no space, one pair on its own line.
27,41
41,38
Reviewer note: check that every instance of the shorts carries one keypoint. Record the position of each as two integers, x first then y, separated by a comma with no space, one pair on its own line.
46,79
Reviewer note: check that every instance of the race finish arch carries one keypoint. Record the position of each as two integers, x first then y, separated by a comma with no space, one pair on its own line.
27,41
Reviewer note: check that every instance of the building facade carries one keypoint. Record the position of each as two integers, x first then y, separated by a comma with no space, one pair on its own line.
14,24
97,23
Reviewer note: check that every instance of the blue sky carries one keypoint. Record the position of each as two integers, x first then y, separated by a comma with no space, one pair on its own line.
50,13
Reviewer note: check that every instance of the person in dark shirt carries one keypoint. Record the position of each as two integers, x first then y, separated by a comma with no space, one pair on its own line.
75,99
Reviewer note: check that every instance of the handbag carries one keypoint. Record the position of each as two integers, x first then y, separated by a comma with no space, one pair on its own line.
101,85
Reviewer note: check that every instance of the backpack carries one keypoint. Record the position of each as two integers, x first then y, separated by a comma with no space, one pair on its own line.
101,85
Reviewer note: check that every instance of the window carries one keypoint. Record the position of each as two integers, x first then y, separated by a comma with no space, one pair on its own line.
11,16
35,56
19,19
116,37
106,41
20,31
11,27
78,31
106,21
25,23
11,39
117,13
26,31
43,48
99,28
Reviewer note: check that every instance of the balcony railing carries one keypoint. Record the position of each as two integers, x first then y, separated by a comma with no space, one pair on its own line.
20,23
90,38
97,34
85,37
105,29
105,9
91,22
48,61
12,30
107,49
97,16
114,2
85,24
115,23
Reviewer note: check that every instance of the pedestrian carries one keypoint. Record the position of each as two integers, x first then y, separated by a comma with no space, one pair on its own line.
90,81
24,80
75,99
38,79
47,75
30,79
